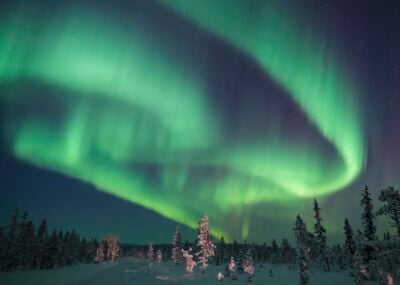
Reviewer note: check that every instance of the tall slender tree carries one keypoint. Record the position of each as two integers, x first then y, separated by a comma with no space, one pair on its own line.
176,253
349,244
11,259
368,220
301,233
41,254
205,243
220,256
319,230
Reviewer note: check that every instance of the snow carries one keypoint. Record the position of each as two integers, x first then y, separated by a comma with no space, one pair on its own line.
130,270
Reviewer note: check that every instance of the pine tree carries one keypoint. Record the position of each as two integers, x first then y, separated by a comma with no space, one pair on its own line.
236,249
53,250
368,218
26,244
73,243
41,254
11,259
286,251
221,251
391,207
205,243
303,250
349,244
83,250
274,251
21,242
176,254
61,249
320,235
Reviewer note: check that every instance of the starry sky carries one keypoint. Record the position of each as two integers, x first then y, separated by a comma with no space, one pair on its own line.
132,116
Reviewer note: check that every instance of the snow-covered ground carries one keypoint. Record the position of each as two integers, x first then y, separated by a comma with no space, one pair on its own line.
130,270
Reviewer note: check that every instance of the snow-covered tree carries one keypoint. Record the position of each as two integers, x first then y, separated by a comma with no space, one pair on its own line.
190,263
112,247
150,253
159,256
303,250
205,244
176,254
100,253
349,244
108,248
232,268
248,266
368,220
320,236
391,207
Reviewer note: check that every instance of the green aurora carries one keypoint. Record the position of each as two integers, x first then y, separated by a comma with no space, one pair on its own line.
125,105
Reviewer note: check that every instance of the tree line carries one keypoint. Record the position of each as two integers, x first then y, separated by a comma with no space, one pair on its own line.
363,254
23,246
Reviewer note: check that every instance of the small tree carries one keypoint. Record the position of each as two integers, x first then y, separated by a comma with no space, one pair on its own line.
190,263
248,266
205,243
176,254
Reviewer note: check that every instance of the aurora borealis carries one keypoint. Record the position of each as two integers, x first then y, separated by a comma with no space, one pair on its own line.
236,109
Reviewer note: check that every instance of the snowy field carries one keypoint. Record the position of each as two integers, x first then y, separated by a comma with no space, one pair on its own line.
130,270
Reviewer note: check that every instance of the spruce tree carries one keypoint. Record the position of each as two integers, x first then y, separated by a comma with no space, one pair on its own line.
301,236
21,243
27,246
274,251
61,249
205,244
349,244
176,253
11,259
368,218
286,251
83,250
221,251
391,207
40,254
53,250
319,231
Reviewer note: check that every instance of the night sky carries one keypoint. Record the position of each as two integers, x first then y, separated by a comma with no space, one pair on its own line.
132,116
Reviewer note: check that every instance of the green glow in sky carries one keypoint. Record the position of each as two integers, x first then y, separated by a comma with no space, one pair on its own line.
139,124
